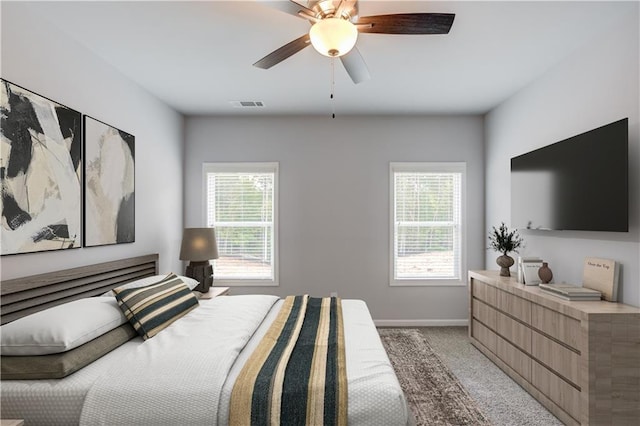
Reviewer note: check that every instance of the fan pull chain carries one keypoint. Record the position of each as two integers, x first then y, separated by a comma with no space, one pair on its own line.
333,86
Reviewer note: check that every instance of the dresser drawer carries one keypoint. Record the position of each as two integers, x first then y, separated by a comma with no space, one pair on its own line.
557,325
484,292
514,331
484,313
484,335
556,357
514,357
560,392
515,306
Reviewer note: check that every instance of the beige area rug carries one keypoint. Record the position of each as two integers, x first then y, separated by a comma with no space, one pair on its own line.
434,394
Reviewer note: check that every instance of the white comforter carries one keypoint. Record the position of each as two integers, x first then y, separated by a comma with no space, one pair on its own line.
156,384
153,382
374,394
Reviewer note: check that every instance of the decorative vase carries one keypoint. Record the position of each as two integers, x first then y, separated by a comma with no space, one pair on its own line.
505,262
545,273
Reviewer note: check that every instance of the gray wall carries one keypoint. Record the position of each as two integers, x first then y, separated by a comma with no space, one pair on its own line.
334,199
43,59
595,86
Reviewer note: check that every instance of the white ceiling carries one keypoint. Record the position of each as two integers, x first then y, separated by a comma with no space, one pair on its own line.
196,56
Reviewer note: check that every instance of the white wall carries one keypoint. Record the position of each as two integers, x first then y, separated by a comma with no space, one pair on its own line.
41,58
334,199
596,85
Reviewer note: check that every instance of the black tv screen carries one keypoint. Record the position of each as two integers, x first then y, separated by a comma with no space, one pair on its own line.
580,183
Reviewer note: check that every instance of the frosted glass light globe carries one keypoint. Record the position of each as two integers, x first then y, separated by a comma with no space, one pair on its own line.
333,36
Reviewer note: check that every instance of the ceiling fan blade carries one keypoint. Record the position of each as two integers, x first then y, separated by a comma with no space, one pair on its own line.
407,23
283,52
355,66
291,7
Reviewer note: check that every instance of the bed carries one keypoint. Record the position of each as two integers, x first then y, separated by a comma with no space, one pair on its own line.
186,373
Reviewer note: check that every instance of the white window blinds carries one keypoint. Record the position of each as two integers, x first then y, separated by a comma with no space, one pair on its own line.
427,221
241,207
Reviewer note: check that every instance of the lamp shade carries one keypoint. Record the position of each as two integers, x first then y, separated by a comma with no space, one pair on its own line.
198,244
333,36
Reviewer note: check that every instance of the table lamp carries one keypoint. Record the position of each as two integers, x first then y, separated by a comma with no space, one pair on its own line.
198,246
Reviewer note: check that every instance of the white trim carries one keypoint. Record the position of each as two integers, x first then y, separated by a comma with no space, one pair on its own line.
246,282
422,323
432,167
429,167
248,167
435,282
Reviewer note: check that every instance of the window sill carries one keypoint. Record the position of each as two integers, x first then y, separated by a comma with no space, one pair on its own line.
245,283
428,283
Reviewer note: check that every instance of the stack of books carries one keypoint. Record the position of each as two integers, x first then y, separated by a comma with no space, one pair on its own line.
528,270
571,292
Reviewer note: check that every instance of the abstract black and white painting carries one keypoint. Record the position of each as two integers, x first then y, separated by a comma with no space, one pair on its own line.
109,184
40,173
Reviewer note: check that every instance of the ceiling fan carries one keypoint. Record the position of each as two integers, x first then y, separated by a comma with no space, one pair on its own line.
335,28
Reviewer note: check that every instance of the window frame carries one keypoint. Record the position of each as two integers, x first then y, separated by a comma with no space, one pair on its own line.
428,167
246,167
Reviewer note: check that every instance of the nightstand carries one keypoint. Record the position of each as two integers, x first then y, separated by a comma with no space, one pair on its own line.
215,292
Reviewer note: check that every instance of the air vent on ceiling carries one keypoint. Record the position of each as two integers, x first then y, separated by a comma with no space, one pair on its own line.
246,104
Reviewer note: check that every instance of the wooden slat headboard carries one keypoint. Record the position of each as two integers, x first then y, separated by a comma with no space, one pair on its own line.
23,296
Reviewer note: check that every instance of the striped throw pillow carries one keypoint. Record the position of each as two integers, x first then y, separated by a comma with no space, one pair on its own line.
153,308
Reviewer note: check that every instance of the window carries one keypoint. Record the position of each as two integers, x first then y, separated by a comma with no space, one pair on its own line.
427,223
241,202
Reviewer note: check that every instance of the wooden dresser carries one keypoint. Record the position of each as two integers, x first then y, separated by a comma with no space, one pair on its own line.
581,360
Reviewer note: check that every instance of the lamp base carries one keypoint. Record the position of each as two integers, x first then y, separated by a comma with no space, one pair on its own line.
203,273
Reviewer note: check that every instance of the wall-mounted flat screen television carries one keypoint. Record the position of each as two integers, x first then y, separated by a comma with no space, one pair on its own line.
580,183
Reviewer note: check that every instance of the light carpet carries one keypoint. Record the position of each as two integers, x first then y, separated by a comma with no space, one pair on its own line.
501,399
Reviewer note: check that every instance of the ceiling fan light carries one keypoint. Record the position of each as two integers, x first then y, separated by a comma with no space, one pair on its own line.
333,36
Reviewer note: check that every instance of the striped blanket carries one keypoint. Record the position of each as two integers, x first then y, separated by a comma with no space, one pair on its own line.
297,374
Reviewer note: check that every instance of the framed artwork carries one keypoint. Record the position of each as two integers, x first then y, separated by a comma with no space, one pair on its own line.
40,173
109,184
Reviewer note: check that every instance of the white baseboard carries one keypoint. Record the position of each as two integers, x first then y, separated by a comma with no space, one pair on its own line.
421,323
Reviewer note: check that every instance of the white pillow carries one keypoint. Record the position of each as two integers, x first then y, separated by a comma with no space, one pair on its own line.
61,328
143,282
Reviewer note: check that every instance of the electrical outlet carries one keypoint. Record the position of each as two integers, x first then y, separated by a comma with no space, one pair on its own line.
334,294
